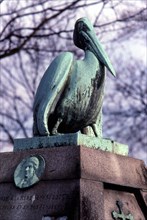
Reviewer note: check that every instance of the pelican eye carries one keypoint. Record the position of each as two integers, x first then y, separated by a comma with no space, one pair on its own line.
85,27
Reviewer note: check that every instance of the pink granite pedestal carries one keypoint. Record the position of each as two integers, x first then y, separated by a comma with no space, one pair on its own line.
79,183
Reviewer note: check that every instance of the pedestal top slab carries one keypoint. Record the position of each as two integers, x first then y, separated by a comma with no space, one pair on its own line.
80,162
73,139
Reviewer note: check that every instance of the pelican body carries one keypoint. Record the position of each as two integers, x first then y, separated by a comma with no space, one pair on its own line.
70,94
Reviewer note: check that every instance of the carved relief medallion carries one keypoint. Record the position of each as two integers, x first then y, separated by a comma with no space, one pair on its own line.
29,171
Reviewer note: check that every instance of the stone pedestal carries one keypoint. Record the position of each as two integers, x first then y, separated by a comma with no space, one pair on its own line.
79,183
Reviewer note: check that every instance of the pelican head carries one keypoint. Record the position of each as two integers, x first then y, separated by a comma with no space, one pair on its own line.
85,38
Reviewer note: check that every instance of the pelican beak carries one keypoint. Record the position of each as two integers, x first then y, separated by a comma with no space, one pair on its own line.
93,44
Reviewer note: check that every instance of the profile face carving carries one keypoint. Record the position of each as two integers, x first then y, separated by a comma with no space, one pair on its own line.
29,171
30,167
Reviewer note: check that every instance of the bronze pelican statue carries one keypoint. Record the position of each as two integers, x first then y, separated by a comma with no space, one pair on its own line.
70,94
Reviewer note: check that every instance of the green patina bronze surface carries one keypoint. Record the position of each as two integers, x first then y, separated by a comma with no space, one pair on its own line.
73,139
68,103
70,95
29,171
121,214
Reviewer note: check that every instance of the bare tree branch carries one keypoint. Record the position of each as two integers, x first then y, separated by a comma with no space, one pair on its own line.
34,32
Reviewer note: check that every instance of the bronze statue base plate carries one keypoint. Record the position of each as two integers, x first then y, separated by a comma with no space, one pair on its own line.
72,139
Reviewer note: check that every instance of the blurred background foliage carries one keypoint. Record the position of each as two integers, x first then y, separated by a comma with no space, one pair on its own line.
34,32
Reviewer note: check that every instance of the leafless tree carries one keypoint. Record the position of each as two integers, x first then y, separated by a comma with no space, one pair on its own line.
34,32
126,107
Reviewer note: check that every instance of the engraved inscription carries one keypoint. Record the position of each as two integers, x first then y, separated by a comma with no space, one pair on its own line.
25,202
37,197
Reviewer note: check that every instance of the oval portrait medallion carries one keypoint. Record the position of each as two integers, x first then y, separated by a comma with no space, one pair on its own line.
29,171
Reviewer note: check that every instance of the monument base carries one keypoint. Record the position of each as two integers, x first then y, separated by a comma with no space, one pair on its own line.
79,183
73,139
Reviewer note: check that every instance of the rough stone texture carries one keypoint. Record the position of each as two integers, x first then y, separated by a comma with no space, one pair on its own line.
130,204
78,182
112,168
47,198
77,161
61,163
144,195
91,200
